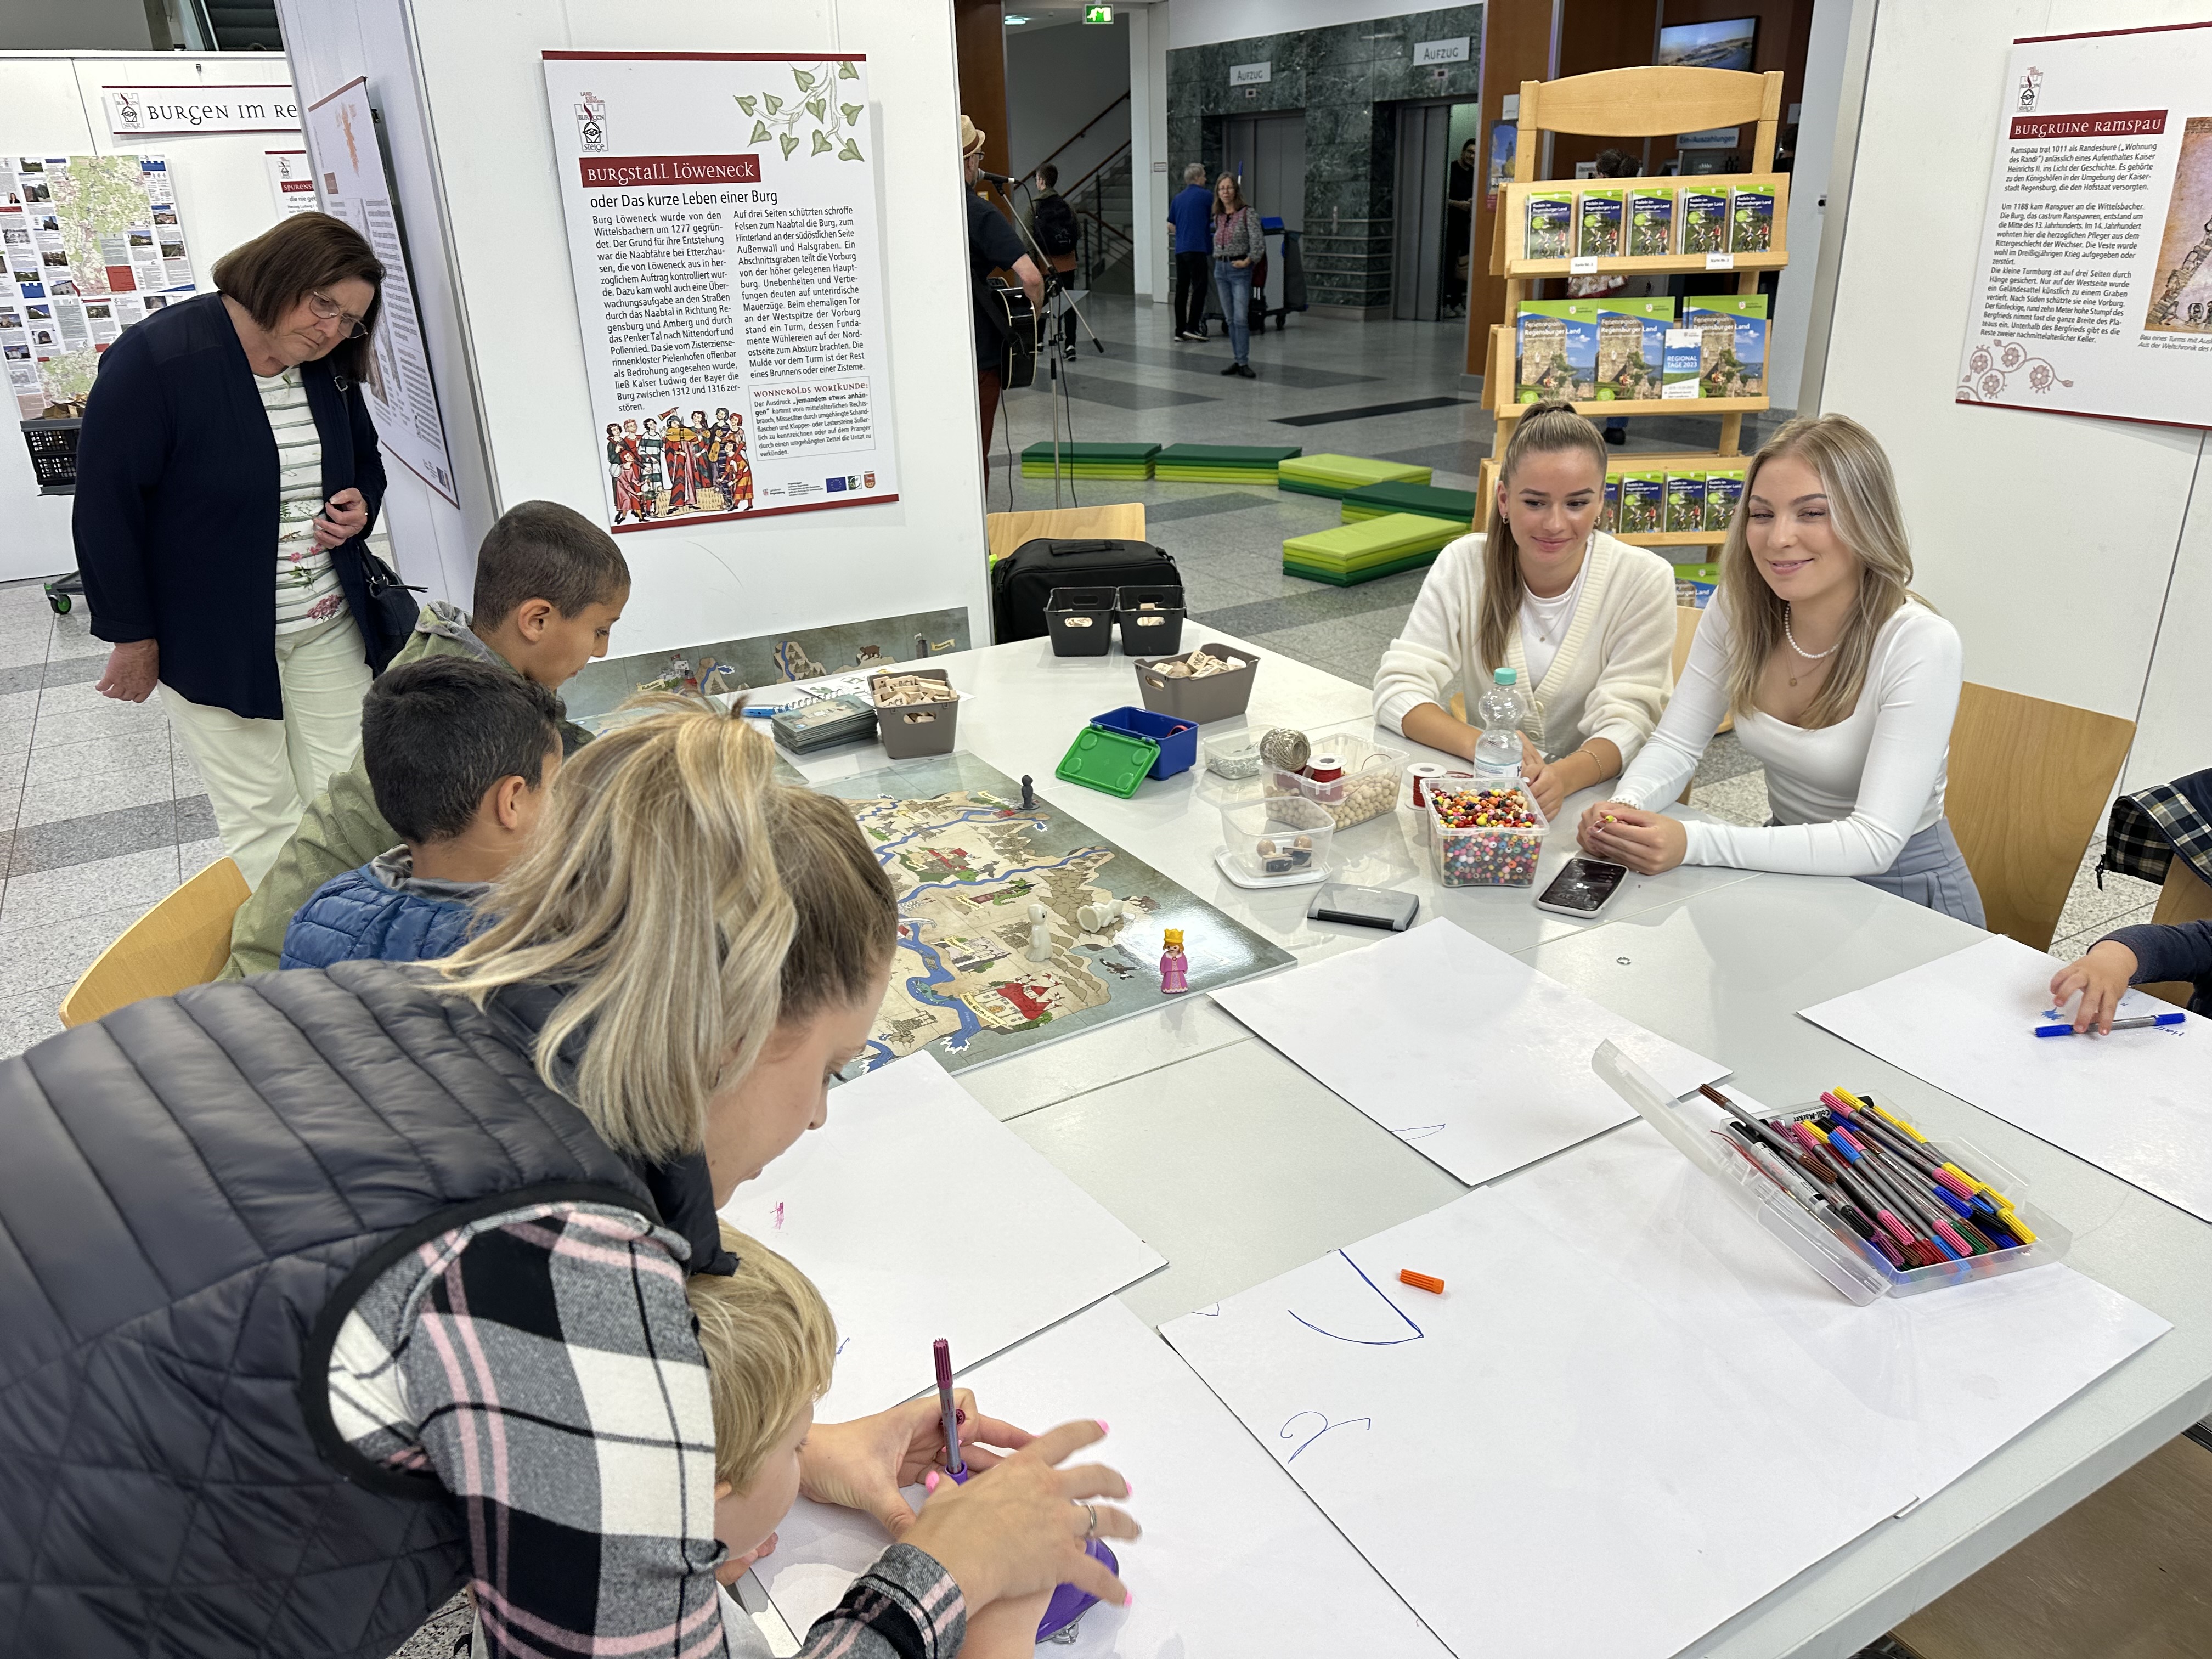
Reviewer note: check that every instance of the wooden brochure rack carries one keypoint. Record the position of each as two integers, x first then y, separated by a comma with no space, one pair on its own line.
1633,103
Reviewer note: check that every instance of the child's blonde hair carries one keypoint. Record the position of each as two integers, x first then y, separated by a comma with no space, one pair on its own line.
770,1343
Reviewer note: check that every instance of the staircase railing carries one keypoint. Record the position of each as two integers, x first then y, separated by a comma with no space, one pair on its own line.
1103,241
1030,172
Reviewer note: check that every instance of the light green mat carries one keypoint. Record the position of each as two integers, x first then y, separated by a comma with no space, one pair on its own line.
1337,476
1371,540
1214,474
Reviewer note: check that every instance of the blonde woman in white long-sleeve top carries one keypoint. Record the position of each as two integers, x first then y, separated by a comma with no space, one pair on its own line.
1586,622
1841,683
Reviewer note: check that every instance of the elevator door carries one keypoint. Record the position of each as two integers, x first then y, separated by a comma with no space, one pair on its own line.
1267,154
1424,170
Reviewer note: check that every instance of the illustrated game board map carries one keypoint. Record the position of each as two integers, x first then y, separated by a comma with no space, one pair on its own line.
968,859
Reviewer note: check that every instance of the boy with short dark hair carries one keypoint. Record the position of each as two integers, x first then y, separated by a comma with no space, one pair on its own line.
549,587
459,754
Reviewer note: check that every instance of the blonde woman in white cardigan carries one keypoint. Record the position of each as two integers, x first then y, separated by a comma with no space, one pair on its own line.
1586,622
1842,683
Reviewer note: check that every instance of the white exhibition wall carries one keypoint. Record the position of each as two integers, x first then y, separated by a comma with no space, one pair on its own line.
502,318
2071,553
49,105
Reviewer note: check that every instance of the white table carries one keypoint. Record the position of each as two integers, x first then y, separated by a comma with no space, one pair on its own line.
1238,1166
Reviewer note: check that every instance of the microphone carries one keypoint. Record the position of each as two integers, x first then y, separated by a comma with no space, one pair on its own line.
995,178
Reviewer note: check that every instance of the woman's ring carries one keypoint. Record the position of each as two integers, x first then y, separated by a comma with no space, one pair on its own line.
1091,1531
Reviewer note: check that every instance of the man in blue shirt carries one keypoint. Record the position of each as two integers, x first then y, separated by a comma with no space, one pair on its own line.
1191,214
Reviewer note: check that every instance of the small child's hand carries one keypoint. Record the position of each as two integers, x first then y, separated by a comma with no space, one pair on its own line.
1007,1629
2102,978
737,1565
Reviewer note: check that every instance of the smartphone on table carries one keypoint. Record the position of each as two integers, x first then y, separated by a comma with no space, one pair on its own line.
1583,886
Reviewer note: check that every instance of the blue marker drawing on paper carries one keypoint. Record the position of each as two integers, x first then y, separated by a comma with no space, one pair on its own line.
842,1346
1362,1341
1284,1433
1419,1131
1213,1312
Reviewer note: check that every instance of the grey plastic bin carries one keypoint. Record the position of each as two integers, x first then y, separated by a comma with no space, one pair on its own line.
1216,697
918,729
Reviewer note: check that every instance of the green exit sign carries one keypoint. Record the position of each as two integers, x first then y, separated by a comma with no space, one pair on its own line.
1099,13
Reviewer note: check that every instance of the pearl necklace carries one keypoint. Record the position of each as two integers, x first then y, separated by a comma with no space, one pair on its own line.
1809,656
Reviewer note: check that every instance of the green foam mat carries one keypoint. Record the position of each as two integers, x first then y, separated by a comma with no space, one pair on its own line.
1372,539
1092,469
1212,475
1338,475
1264,456
1371,500
1315,572
1125,453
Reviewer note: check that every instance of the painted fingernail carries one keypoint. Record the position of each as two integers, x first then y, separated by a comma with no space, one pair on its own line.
929,1481
959,1417
1103,1429
1127,1485
1128,1598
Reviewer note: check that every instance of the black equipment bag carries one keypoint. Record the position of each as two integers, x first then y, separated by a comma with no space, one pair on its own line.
1022,582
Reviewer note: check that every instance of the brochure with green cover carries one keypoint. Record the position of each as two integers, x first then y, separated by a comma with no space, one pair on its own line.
1686,502
1650,221
1631,345
1724,496
1598,224
1551,223
1732,334
1609,517
1751,219
1556,351
1695,584
1704,214
1643,503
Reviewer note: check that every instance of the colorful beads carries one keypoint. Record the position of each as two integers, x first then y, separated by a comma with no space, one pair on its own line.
1486,838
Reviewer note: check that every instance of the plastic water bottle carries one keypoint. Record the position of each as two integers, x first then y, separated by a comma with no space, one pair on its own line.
1499,712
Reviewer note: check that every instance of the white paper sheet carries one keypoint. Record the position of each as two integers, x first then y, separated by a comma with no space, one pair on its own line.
1473,1057
2138,1104
1234,1560
919,1215
1629,1416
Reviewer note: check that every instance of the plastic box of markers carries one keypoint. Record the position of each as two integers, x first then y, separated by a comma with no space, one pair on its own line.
1850,1266
2051,1241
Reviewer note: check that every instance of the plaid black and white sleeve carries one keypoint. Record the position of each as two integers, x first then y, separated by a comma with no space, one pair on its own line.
542,1364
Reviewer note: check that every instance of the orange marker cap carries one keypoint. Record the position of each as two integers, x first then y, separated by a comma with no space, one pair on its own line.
1427,1282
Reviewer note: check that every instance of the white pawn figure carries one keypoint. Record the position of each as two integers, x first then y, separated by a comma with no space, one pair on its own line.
1040,934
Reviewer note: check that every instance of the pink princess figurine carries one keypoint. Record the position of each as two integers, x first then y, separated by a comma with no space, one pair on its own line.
1174,967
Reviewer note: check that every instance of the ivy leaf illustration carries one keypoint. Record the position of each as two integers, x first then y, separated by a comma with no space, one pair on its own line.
790,142
773,102
749,103
850,152
852,114
805,81
821,144
760,133
817,106
847,72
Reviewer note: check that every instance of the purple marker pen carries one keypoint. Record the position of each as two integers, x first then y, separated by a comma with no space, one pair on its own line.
943,1351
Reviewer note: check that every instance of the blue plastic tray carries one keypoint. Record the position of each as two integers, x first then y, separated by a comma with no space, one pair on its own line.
1178,739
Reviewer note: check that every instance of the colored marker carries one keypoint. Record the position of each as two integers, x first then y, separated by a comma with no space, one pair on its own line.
1428,1282
942,1350
2143,1023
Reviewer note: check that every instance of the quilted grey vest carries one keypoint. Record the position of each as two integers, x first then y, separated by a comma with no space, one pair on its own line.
187,1188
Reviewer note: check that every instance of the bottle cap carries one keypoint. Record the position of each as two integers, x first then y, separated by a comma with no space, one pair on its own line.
1504,677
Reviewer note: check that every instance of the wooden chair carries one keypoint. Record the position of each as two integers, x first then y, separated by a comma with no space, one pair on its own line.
1116,521
2184,898
2029,781
182,941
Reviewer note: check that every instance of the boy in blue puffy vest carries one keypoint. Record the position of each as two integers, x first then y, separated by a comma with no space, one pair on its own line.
459,754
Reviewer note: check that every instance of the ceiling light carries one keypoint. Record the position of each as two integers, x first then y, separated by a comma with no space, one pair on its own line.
1015,20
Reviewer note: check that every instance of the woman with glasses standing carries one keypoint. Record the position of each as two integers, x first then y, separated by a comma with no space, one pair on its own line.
1238,246
226,472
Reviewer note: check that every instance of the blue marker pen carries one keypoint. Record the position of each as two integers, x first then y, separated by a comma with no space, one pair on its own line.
2142,1024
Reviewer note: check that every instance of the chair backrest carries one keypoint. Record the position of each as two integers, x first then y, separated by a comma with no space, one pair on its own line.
1686,619
182,941
2184,898
2029,782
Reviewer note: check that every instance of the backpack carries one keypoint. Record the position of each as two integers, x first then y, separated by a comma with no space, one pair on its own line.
1022,582
1054,225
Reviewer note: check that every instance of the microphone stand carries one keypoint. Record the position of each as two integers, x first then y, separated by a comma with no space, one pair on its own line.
1048,344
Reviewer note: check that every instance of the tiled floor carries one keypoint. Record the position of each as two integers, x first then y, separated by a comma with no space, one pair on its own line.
100,813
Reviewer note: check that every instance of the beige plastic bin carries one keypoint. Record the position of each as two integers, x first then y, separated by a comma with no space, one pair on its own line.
1216,697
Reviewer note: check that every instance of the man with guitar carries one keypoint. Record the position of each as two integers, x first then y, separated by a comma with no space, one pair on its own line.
994,245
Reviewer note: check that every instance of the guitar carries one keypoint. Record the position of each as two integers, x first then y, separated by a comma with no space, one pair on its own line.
1017,353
